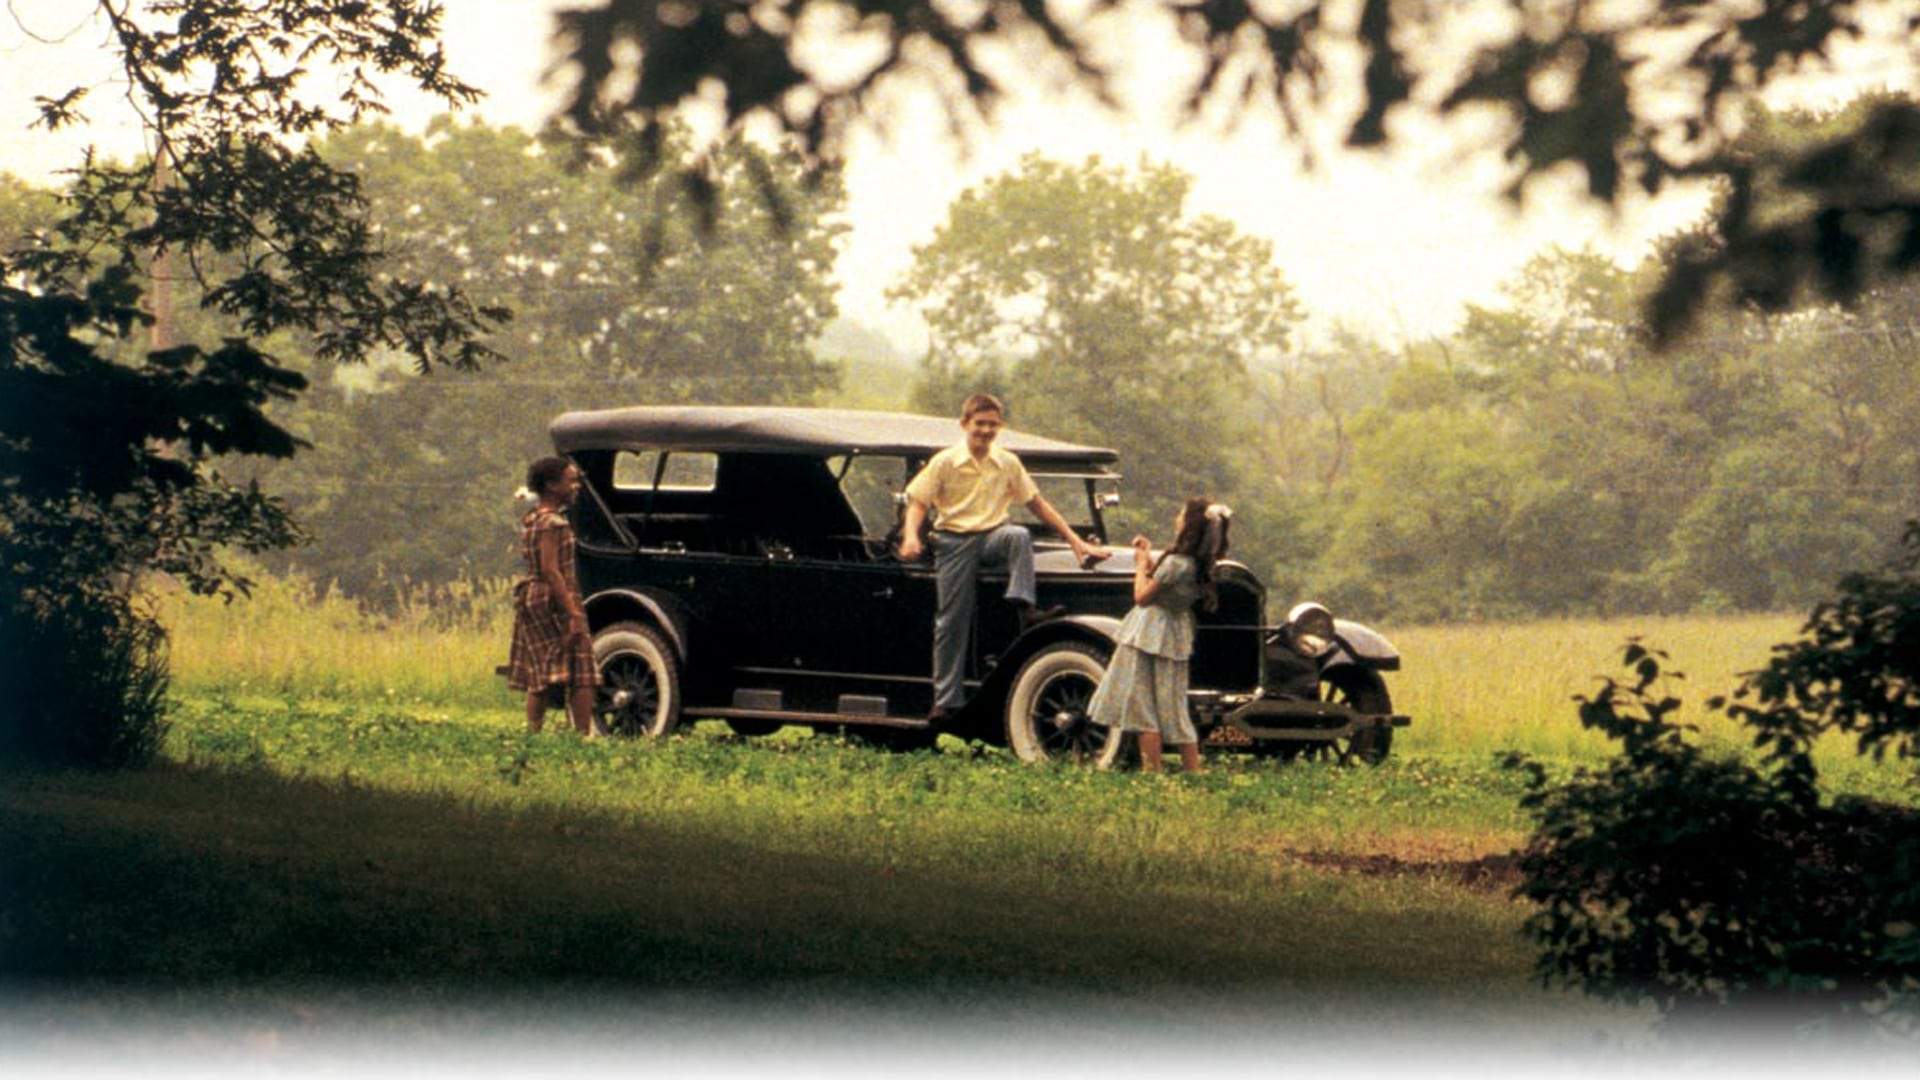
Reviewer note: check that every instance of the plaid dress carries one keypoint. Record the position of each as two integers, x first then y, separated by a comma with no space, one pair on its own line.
544,654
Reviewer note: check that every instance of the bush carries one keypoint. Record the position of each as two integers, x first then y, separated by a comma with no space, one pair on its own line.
1700,882
1697,882
85,684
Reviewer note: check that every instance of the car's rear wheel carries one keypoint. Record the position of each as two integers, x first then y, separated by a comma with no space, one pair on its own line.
639,681
753,728
1365,692
1047,708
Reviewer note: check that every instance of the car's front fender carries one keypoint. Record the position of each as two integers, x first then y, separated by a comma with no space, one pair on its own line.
1105,626
1098,630
1360,645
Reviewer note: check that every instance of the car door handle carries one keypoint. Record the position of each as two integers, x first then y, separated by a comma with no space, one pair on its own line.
883,594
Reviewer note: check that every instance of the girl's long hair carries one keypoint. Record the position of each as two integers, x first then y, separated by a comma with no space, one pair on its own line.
1192,542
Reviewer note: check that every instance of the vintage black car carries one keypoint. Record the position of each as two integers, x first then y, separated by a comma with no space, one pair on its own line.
739,563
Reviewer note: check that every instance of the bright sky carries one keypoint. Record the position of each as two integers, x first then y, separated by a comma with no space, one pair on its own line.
1395,245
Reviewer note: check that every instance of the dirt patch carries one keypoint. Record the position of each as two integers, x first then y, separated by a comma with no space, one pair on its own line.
1492,873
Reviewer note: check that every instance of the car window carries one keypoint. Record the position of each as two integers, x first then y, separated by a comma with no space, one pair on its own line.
633,470
869,485
690,472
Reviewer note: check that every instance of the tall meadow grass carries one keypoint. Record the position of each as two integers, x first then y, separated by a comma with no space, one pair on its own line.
435,646
1472,686
1472,689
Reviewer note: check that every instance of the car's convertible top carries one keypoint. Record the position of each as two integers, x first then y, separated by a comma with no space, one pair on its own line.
771,429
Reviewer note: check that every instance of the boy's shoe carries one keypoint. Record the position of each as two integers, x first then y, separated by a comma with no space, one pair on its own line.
1031,616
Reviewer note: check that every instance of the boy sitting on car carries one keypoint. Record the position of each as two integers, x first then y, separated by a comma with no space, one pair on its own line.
971,488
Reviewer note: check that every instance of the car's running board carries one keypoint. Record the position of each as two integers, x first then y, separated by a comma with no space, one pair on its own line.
791,717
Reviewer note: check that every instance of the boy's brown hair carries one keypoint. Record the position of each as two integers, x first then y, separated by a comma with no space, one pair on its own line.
980,403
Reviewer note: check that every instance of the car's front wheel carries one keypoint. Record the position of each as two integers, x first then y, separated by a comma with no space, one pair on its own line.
639,681
1366,692
1047,708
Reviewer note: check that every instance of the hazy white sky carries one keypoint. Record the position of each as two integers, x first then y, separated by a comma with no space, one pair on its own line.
1395,245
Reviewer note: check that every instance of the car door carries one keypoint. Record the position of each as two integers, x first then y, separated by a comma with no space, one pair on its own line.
856,624
856,634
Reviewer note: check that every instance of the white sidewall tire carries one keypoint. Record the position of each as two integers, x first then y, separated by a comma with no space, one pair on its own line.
629,641
1062,660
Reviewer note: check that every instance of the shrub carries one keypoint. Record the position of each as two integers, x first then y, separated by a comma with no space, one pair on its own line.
1698,882
85,684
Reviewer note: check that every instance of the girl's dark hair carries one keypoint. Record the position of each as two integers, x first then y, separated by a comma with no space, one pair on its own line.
1192,542
545,473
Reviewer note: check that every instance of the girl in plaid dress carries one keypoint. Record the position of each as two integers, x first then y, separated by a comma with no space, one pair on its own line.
551,644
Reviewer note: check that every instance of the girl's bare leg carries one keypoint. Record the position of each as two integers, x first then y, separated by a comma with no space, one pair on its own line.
1190,757
580,708
1149,751
536,710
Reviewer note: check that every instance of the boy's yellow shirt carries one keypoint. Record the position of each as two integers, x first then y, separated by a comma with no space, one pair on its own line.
969,496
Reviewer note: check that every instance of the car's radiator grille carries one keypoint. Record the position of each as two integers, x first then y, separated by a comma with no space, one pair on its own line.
1226,654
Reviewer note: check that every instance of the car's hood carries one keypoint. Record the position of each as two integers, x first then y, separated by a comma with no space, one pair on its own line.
1055,558
1058,559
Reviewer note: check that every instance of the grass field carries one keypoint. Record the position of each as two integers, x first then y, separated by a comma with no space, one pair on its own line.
346,802
1472,689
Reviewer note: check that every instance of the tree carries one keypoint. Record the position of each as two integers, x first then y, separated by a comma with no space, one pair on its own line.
1427,512
1745,467
621,298
1103,311
1600,88
108,443
24,210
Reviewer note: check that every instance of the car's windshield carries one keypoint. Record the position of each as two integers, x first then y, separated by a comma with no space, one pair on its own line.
872,485
1068,494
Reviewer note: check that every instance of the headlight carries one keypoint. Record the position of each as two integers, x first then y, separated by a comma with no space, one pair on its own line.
1310,627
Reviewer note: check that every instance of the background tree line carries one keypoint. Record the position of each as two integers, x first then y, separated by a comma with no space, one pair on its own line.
620,297
1545,458
623,289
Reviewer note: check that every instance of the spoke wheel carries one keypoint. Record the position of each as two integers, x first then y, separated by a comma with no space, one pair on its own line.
1047,708
1365,692
639,681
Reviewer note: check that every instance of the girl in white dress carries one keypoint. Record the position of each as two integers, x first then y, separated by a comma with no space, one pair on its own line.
1145,689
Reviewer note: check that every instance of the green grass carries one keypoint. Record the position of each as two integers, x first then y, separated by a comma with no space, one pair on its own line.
350,803
423,846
